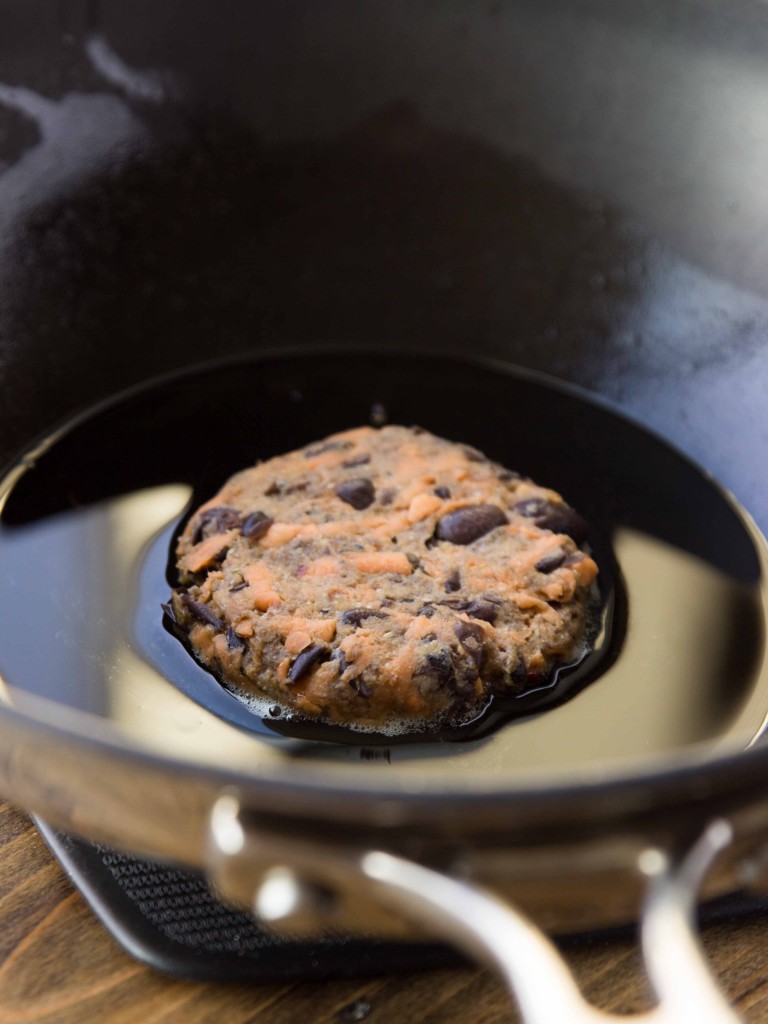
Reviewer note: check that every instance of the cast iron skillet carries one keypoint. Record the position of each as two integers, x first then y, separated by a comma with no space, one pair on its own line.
551,185
314,826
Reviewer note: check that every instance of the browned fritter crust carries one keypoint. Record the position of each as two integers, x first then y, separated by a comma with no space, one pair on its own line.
382,576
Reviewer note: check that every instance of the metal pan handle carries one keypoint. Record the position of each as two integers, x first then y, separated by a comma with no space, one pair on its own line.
280,880
500,935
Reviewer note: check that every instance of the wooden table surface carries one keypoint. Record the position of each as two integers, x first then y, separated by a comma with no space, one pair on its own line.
59,966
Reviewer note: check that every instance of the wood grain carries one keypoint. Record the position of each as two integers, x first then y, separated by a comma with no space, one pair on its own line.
59,966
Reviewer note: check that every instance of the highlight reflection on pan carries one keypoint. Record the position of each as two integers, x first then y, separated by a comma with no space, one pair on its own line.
85,537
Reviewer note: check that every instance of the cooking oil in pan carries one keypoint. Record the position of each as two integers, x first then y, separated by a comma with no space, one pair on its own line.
89,521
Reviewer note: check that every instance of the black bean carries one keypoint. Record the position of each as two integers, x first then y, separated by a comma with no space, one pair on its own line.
360,686
566,520
343,663
550,562
473,455
442,492
357,460
219,557
238,586
329,446
469,523
215,520
453,582
225,518
468,631
201,612
471,638
233,640
482,609
256,524
438,668
478,608
548,515
354,616
359,492
306,660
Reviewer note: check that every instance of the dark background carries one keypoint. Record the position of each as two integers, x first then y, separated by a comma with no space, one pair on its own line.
573,187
